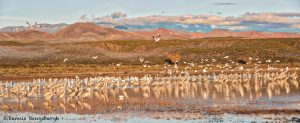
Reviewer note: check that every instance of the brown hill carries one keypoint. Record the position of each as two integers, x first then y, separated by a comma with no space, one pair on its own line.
80,31
221,33
31,35
164,33
283,35
90,30
252,34
5,36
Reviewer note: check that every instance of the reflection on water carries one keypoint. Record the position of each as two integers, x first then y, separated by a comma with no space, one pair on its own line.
74,118
77,94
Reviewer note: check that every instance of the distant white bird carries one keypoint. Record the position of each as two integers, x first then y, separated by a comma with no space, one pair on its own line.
241,68
269,60
65,60
121,97
35,25
119,64
156,38
213,60
16,29
94,57
226,57
250,58
142,59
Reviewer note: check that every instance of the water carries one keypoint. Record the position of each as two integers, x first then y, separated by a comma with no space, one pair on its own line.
207,98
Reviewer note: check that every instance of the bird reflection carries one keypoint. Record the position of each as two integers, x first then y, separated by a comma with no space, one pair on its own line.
72,95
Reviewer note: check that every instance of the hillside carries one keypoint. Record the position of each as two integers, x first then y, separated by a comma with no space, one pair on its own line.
91,31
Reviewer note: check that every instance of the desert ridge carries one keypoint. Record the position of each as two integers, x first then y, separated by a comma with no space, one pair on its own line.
91,31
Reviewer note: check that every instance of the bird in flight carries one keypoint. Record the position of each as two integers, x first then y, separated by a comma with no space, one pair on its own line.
94,57
35,25
156,38
65,60
142,59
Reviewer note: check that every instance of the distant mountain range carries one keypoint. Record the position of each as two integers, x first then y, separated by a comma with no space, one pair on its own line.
92,31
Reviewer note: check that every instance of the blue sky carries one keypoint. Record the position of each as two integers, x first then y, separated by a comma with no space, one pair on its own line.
16,12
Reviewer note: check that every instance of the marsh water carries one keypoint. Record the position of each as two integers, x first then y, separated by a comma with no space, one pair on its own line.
187,98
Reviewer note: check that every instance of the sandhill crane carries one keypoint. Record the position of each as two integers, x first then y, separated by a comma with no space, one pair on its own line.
29,25
16,29
119,64
65,60
142,59
121,97
30,104
62,105
5,107
94,57
86,105
74,106
156,39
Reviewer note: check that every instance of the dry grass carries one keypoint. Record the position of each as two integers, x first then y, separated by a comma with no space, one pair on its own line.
42,56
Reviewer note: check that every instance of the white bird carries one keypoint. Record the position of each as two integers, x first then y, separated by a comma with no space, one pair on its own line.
94,57
269,60
29,25
241,68
156,38
121,97
142,59
37,25
17,29
119,64
65,60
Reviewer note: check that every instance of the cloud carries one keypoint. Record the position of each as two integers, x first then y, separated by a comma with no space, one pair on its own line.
289,14
259,21
270,17
236,28
204,19
296,26
221,4
11,18
84,18
118,15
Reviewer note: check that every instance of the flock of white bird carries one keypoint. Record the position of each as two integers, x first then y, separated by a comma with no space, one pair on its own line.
173,82
29,26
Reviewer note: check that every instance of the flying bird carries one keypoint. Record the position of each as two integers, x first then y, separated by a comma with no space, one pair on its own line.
142,59
94,57
156,38
28,23
65,60
119,64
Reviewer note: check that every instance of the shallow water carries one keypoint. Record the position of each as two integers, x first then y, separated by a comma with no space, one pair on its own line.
119,118
154,99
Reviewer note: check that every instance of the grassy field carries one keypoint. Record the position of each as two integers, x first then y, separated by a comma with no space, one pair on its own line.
24,57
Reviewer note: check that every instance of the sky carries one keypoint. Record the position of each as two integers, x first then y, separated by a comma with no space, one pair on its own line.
261,15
